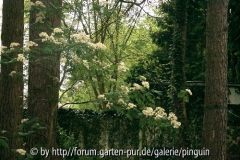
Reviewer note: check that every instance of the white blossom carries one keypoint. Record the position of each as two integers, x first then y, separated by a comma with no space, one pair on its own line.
57,30
100,46
40,17
131,105
30,44
13,45
160,113
142,78
121,101
189,91
122,67
39,4
21,58
172,117
21,151
112,80
63,60
136,86
24,120
175,124
148,111
125,89
29,5
145,84
108,105
43,34
101,96
85,63
81,37
2,49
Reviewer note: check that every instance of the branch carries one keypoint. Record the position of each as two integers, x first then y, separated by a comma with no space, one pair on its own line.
76,103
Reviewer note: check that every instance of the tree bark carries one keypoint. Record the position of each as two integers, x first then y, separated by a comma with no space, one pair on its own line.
178,67
11,87
43,85
215,109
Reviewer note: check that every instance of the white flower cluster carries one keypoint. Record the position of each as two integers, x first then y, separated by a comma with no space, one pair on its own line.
40,16
44,36
36,4
21,58
76,59
13,45
57,30
173,118
131,105
136,87
160,113
85,63
39,4
3,48
144,82
122,67
81,37
100,46
21,151
188,91
102,97
108,105
121,101
125,89
24,120
30,44
142,78
63,60
148,111
51,38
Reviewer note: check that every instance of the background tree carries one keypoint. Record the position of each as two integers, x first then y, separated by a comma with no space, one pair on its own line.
11,82
43,84
215,109
111,23
178,67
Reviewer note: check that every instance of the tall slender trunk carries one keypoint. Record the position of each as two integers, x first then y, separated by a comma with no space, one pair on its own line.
43,85
215,109
11,85
178,68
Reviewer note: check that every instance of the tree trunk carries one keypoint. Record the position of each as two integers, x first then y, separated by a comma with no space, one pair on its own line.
44,74
11,85
178,68
215,109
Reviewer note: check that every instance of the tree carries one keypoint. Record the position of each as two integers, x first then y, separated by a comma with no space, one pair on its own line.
178,66
111,23
215,109
11,82
43,84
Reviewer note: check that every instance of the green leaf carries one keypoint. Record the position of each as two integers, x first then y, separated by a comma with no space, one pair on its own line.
3,143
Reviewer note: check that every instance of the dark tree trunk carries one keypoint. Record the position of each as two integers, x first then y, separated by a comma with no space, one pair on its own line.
44,74
215,109
11,87
178,68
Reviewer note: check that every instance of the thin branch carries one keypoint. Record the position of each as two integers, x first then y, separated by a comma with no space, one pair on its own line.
76,103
